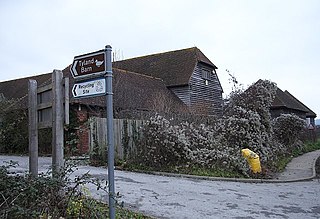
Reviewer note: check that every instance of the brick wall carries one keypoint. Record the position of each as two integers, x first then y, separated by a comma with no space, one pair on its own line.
83,131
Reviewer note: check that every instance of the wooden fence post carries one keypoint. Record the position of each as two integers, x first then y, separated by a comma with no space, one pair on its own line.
57,121
33,127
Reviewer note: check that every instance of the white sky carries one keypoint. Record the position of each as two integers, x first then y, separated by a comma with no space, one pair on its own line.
278,40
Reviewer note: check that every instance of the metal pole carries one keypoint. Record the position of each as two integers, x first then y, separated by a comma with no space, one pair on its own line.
108,68
33,128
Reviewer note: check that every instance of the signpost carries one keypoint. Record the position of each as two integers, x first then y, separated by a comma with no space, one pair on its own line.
88,65
86,69
110,140
94,87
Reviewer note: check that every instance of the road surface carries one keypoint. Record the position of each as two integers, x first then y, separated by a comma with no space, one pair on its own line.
171,197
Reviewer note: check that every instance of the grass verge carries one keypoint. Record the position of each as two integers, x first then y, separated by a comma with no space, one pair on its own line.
279,166
189,170
308,147
90,208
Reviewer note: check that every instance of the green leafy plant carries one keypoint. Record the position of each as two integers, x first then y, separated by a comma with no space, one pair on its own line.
31,197
71,135
13,131
24,196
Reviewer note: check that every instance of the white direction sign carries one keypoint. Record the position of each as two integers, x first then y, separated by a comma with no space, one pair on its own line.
94,87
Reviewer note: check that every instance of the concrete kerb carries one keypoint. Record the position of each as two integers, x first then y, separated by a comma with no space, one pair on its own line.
211,178
244,180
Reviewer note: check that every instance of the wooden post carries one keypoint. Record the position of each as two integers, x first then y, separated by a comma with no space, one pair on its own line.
33,128
66,101
57,121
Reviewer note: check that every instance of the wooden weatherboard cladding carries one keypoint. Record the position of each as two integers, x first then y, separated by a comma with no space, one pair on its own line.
205,92
188,73
204,95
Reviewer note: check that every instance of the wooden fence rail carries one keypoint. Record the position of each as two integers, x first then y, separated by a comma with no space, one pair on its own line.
126,131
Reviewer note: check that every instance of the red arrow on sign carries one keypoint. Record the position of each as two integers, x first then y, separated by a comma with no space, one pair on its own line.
88,65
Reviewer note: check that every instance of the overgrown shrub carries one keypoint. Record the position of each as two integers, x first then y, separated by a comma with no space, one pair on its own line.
248,119
288,129
46,196
246,123
14,131
45,141
13,127
160,146
165,146
71,135
28,197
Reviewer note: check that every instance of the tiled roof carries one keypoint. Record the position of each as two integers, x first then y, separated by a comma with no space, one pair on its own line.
131,90
310,113
174,68
18,88
287,100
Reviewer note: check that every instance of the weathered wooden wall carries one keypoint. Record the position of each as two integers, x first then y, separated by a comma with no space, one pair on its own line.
183,92
206,94
125,131
203,96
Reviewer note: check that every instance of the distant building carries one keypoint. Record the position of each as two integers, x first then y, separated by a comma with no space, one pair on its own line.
177,81
188,73
285,102
171,81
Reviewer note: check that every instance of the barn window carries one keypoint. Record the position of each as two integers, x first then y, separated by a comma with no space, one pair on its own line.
206,74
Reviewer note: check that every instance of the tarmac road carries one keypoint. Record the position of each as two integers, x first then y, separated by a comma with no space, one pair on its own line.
177,197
